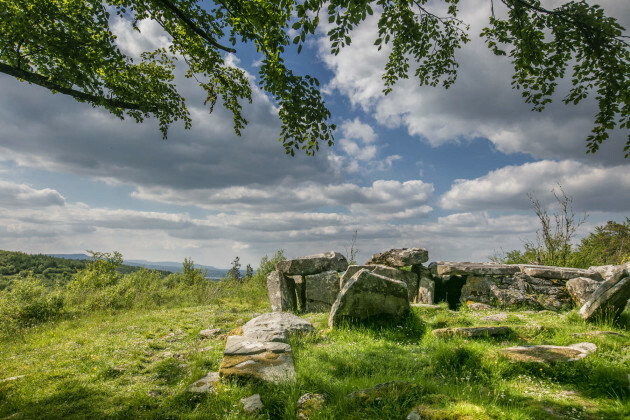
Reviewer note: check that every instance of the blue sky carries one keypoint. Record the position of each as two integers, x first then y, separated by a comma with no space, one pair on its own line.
447,170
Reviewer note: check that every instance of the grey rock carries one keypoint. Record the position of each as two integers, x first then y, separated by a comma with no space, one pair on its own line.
321,290
448,268
549,354
206,384
414,415
252,404
400,257
581,288
368,294
476,306
599,333
560,273
276,326
409,278
610,271
609,299
500,317
426,285
250,359
313,264
472,332
310,404
210,332
281,290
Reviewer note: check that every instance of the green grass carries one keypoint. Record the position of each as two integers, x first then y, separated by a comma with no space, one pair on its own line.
138,364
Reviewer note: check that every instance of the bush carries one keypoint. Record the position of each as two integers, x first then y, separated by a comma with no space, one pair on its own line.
27,304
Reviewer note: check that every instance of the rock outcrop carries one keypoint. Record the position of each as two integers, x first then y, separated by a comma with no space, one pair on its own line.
368,295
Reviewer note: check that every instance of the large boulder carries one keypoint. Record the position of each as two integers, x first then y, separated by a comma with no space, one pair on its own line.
400,257
609,299
409,278
275,327
368,295
581,288
281,290
313,264
247,358
610,271
321,290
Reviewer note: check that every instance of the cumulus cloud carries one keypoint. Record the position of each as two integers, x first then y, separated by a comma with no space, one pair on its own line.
593,188
480,105
20,195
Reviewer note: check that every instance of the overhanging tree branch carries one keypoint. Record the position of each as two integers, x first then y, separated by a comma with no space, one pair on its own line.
43,81
192,25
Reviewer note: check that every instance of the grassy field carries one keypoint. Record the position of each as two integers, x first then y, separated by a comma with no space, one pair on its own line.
138,364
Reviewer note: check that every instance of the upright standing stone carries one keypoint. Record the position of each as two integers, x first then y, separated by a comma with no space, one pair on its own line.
409,278
400,257
281,290
581,288
367,295
321,290
426,285
313,264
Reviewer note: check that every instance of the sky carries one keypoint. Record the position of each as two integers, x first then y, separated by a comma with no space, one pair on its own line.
446,170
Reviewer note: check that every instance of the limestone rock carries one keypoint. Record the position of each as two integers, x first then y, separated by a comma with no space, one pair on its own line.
581,288
246,358
500,317
205,384
560,273
366,295
313,264
275,326
409,278
610,271
281,290
477,306
550,354
252,404
210,332
400,257
310,404
447,268
609,299
321,290
472,332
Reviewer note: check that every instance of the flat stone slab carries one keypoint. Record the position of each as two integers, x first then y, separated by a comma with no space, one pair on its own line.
206,384
549,354
609,299
472,332
448,268
367,295
500,317
581,288
409,278
599,334
245,358
313,264
276,326
400,257
559,273
610,271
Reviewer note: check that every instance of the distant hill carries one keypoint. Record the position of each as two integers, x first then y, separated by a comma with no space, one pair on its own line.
213,272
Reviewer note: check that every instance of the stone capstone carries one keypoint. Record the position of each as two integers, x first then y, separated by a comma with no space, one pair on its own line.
549,354
367,295
400,257
609,299
472,332
245,358
447,268
409,278
281,290
610,271
321,290
313,264
581,288
559,273
252,404
276,327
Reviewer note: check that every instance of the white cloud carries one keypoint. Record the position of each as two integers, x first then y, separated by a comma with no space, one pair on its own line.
20,195
592,187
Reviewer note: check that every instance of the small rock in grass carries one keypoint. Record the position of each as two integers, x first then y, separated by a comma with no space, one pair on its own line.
500,317
476,306
546,354
472,332
210,332
309,404
205,384
252,404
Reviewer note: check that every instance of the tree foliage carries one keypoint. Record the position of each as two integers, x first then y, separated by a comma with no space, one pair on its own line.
68,46
609,244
